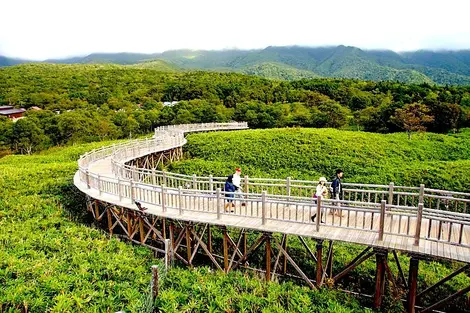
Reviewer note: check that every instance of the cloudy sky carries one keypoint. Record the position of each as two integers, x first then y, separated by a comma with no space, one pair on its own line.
40,29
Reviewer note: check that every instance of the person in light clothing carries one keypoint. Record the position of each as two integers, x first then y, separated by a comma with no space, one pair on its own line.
236,182
321,191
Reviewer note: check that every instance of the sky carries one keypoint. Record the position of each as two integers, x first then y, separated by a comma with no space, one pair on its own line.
42,29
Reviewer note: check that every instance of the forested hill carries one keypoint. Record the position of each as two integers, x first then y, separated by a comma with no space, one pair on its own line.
291,63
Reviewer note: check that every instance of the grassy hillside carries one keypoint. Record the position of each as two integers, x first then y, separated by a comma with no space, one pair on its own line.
51,262
439,161
278,71
158,65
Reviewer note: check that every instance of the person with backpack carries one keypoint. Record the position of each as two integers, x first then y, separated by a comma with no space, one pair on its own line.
337,191
229,189
237,182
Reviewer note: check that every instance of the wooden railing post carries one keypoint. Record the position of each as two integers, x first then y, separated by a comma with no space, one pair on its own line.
99,185
87,179
219,207
164,178
263,208
390,193
319,217
154,177
211,182
180,200
119,189
288,186
245,187
421,193
132,191
163,198
419,219
194,182
382,220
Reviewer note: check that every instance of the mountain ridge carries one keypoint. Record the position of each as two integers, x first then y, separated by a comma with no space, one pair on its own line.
296,62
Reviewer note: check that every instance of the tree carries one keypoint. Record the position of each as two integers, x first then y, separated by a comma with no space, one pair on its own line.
27,137
413,117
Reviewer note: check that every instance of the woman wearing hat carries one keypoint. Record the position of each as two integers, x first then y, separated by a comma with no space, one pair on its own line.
322,191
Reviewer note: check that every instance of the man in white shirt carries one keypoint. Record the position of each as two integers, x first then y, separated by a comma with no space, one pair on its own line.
236,182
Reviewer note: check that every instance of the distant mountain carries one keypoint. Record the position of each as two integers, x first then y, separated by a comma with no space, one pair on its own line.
294,62
5,61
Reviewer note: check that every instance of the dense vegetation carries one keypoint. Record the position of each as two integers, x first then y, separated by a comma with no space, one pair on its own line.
83,103
48,261
439,161
51,262
202,290
441,67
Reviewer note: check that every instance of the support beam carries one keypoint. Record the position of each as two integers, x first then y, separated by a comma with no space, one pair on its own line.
381,257
188,243
110,220
209,239
284,265
413,285
319,262
446,300
442,281
225,249
268,257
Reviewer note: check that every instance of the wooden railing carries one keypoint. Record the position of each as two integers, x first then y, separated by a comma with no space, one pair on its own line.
414,212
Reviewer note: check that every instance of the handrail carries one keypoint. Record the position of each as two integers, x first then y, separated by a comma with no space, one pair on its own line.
403,206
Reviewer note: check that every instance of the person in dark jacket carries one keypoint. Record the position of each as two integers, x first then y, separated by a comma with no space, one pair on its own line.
229,189
337,190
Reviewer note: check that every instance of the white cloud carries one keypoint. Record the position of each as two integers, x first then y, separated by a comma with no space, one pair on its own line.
50,29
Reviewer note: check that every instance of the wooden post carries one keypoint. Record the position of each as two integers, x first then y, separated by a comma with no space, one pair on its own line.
319,217
319,262
245,187
390,193
419,220
219,207
188,243
167,253
110,220
412,285
180,200
194,182
225,250
382,220
141,230
99,185
119,189
132,191
268,257
284,246
329,263
164,228
154,283
263,208
87,179
163,178
154,177
209,238
211,182
379,278
163,198
172,240
244,244
288,186
421,193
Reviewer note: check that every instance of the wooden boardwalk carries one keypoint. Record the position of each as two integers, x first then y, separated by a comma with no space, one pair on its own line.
442,234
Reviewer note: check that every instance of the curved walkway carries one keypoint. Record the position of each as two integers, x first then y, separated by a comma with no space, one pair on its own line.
417,220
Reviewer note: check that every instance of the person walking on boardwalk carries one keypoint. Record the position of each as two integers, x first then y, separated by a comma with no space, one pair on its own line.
322,191
337,190
236,181
229,189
